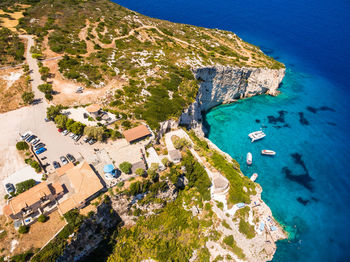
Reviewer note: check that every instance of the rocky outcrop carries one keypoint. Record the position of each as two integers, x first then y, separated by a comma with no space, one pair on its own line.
224,84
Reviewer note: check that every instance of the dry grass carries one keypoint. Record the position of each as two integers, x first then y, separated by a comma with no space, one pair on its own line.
39,234
66,88
10,96
12,23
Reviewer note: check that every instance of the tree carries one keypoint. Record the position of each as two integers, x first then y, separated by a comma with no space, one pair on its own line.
77,128
45,88
42,218
23,229
179,143
69,124
125,167
140,172
45,72
165,161
61,121
49,97
154,166
28,97
53,111
126,124
22,145
25,185
94,132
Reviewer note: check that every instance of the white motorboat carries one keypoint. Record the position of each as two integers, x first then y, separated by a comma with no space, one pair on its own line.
249,158
256,135
268,152
254,177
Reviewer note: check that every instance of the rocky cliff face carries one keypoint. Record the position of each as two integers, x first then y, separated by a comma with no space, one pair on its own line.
224,84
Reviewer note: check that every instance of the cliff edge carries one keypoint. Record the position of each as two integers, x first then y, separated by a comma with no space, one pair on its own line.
225,84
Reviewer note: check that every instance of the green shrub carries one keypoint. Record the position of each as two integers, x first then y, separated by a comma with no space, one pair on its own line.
246,229
230,241
125,167
42,218
22,145
28,97
25,185
140,172
23,229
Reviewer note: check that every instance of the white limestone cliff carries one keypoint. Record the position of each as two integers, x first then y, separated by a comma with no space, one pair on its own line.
225,84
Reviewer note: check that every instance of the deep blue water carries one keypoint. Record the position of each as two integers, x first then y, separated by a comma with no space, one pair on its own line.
307,183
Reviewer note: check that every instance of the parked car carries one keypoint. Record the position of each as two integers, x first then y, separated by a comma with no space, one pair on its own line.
30,138
64,160
92,141
38,146
35,141
9,188
24,137
65,132
71,158
56,164
86,115
60,130
87,139
47,120
76,138
71,135
40,150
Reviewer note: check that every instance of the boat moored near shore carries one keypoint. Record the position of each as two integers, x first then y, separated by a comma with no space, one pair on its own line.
254,177
256,135
268,152
249,159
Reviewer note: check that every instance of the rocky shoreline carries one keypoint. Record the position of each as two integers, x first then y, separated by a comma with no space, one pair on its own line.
222,85
225,84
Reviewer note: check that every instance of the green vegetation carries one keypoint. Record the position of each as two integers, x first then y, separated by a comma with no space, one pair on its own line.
53,111
22,145
28,97
197,176
42,218
34,164
172,234
56,247
125,167
140,172
231,242
229,169
23,257
46,89
23,229
130,44
246,229
224,223
25,185
11,47
180,143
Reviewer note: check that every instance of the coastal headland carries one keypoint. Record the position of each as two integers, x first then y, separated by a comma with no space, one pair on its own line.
98,70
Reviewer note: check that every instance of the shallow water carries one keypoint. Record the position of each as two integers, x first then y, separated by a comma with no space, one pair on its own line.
307,183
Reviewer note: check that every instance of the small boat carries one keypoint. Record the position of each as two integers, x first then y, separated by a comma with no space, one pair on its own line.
254,177
249,159
268,152
256,135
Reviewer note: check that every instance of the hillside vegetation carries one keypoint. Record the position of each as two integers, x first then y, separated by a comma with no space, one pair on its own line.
101,41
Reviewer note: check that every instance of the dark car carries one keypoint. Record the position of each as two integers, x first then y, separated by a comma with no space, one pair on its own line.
70,157
64,160
92,141
38,146
56,164
9,188
30,138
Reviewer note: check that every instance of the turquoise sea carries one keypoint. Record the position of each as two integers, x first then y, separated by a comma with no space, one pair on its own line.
307,183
